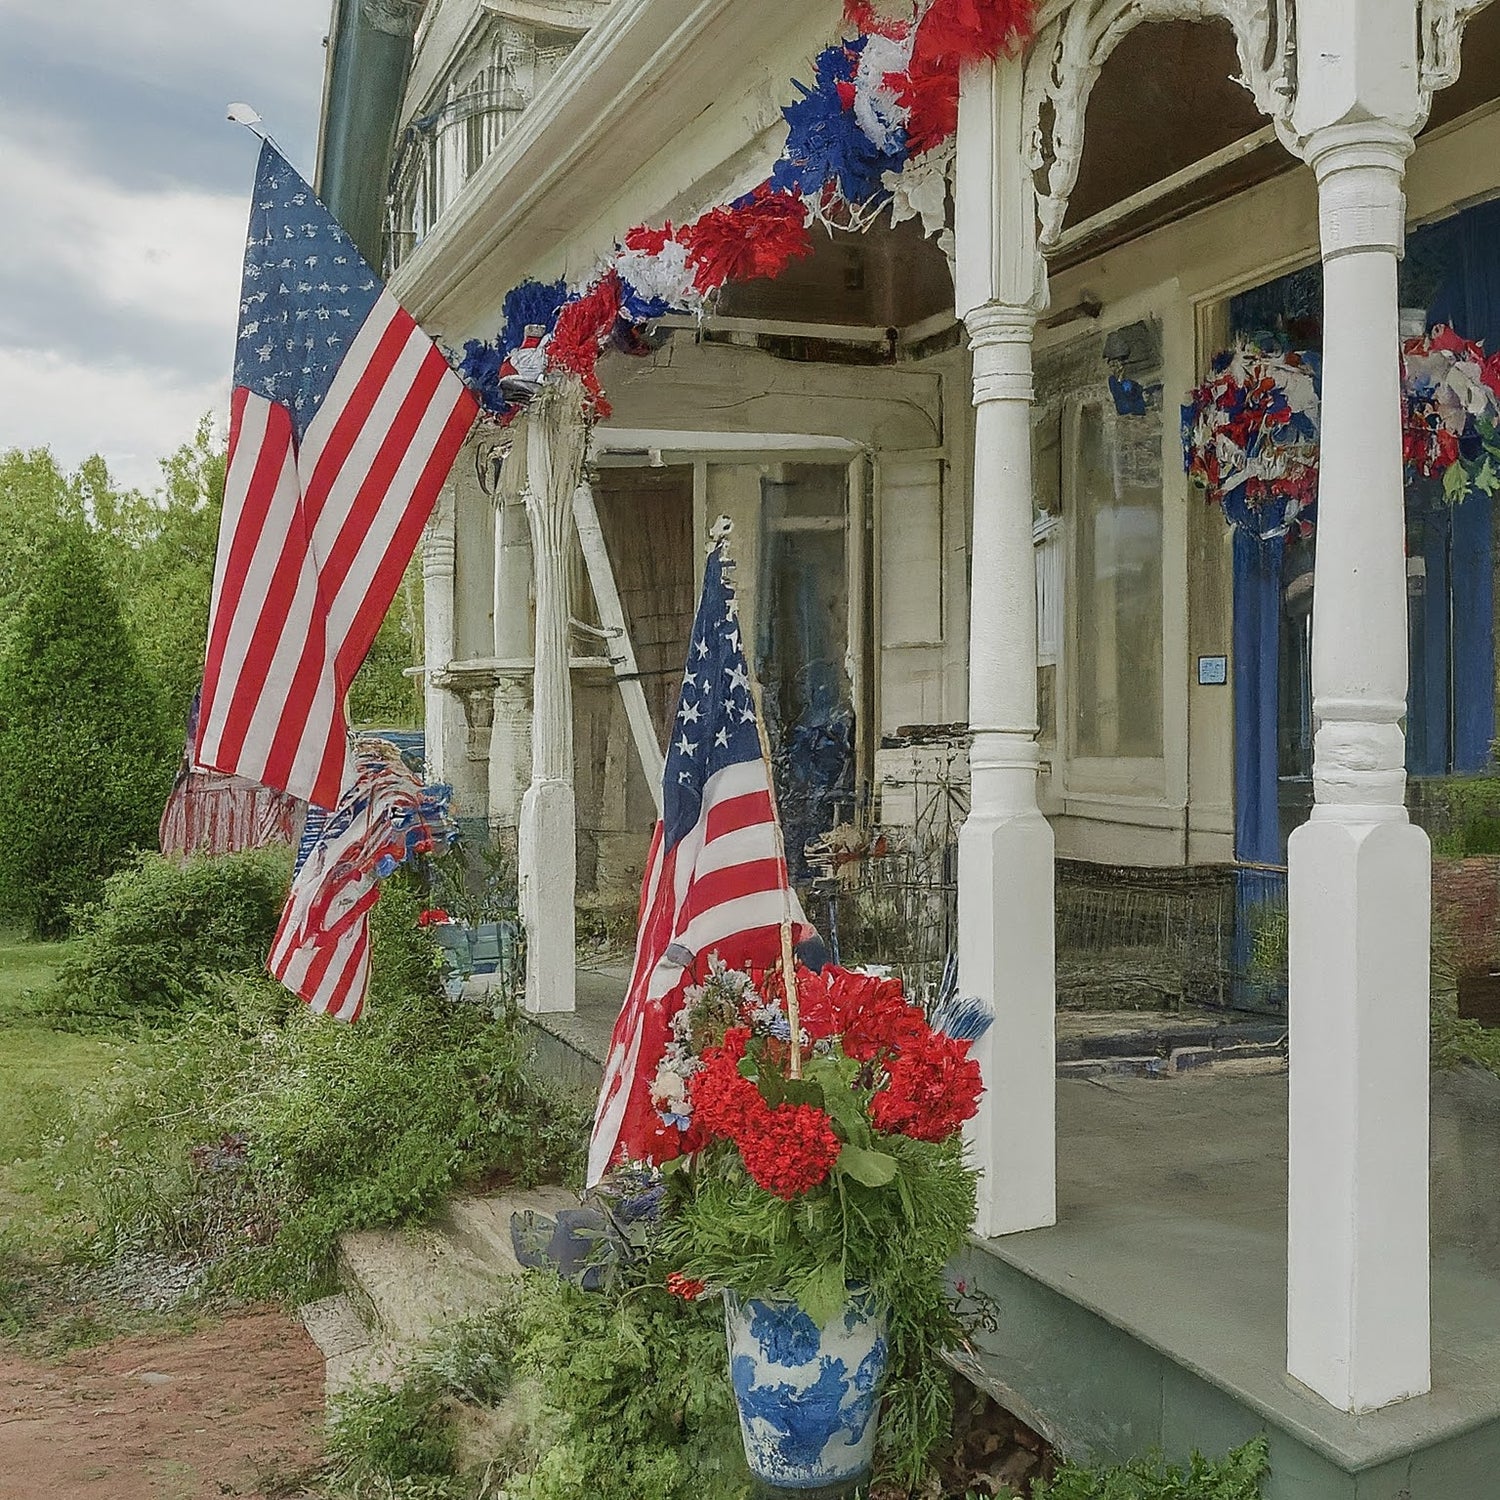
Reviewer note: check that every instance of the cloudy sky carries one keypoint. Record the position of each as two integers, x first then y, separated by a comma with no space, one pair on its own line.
123,203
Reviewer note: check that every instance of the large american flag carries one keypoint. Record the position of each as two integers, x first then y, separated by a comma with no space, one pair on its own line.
344,423
716,880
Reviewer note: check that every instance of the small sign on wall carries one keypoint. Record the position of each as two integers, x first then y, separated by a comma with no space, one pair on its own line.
1213,671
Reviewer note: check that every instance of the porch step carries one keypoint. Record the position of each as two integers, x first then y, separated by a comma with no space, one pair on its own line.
403,1286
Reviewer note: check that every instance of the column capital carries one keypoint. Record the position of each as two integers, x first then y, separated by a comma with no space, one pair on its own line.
1000,338
1359,168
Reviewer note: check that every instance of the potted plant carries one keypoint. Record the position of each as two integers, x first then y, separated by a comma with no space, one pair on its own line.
822,1188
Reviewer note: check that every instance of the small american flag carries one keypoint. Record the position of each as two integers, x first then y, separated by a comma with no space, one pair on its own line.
716,879
321,951
344,423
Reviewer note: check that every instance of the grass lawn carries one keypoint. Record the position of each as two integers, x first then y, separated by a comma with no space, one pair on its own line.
39,1067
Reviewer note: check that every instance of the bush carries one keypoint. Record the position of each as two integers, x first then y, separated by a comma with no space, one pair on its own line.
164,932
255,1134
84,766
1234,1477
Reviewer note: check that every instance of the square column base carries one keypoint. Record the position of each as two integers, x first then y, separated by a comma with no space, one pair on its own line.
547,859
1005,956
1358,1320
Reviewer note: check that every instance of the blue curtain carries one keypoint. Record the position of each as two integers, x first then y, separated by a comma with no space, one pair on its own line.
1257,643
1468,299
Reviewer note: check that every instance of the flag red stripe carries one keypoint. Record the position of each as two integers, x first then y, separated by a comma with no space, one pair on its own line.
334,570
737,813
274,612
267,462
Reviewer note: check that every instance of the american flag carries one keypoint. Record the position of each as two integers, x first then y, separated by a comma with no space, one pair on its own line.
344,423
716,880
321,951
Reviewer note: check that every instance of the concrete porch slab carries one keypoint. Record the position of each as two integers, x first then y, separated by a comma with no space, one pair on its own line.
571,1045
1153,1314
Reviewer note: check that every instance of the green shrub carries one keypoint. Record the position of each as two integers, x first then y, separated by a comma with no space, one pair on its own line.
1237,1476
254,1134
635,1391
84,765
165,931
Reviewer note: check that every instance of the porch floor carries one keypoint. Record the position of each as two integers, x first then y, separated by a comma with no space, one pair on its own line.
572,1045
1153,1314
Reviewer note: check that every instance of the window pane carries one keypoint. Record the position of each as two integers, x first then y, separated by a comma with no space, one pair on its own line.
1118,692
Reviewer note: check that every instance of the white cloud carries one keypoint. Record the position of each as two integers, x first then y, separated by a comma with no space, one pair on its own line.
132,415
172,254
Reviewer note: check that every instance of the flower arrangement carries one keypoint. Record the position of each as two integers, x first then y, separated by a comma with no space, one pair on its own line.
874,130
1452,411
1250,439
827,1176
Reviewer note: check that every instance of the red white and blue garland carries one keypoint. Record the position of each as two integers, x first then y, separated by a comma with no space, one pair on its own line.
871,133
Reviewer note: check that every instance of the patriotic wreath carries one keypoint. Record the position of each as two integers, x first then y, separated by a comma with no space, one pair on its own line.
1452,399
872,132
1250,439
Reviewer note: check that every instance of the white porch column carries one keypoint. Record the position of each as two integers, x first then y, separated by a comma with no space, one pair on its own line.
1360,882
442,714
510,737
556,437
1005,852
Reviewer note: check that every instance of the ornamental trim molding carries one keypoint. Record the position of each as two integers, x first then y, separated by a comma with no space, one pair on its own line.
1440,35
1075,38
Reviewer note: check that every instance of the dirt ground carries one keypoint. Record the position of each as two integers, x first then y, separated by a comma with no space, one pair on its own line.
232,1410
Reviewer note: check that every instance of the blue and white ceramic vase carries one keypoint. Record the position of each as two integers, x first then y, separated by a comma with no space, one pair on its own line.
808,1396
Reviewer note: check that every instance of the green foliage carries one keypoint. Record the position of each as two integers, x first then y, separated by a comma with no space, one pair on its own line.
165,931
1234,1477
160,549
382,696
395,1432
635,1393
84,767
255,1134
893,1239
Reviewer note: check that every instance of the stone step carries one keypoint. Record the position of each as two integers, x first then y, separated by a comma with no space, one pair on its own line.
352,1353
410,1283
481,1226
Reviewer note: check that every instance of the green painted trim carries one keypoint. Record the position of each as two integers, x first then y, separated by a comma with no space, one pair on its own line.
366,80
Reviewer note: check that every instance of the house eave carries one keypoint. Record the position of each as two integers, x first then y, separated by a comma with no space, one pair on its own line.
633,87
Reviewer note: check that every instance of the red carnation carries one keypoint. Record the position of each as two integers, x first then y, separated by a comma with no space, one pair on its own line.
685,1287
791,1150
934,1086
724,1102
875,1015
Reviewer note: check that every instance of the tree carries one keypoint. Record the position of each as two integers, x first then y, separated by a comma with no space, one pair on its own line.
84,764
160,553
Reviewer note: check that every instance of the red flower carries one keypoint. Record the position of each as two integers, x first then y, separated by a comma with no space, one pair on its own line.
875,1016
724,1103
934,1086
790,1150
432,916
685,1287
